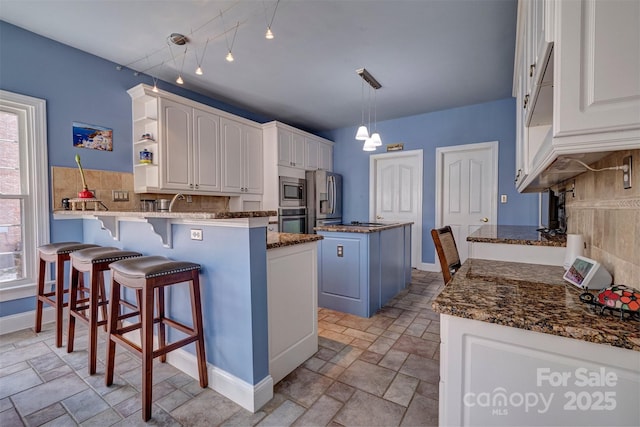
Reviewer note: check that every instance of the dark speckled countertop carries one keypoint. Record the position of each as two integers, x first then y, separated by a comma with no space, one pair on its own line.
348,228
278,240
516,235
532,297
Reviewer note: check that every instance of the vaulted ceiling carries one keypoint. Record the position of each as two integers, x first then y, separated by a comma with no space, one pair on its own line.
428,55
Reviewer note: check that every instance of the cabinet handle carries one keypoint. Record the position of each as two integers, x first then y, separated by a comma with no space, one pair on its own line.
190,185
197,185
526,101
518,175
532,68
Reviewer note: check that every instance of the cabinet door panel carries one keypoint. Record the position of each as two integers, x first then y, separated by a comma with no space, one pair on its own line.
206,151
311,159
298,143
176,145
325,157
231,147
284,148
599,68
253,160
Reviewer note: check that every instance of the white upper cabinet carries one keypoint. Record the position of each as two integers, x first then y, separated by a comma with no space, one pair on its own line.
241,157
577,84
191,142
598,67
195,149
291,149
312,159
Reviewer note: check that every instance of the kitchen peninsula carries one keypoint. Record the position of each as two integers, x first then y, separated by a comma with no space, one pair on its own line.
518,347
247,295
363,265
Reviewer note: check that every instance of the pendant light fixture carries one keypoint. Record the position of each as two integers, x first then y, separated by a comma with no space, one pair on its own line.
229,56
375,137
363,133
199,69
269,34
373,141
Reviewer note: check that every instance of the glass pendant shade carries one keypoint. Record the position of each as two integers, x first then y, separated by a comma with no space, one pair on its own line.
199,71
375,138
229,57
179,80
269,34
369,145
362,134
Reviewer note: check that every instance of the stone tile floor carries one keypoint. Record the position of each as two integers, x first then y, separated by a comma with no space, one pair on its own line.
381,371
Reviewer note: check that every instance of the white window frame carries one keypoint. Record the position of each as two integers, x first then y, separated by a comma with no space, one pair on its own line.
34,161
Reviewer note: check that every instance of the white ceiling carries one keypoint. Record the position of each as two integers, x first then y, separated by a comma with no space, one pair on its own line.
428,55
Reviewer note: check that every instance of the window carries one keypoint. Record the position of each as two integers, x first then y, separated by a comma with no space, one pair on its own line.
24,195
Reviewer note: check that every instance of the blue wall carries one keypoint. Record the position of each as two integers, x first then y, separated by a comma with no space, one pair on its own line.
492,121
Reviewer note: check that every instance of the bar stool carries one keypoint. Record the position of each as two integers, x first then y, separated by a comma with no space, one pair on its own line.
56,253
94,261
149,275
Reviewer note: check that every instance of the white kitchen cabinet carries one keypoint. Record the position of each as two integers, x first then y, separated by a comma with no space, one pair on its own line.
241,157
292,301
319,155
577,79
291,149
325,156
541,379
191,144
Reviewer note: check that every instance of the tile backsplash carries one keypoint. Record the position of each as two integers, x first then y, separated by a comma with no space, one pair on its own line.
66,183
608,216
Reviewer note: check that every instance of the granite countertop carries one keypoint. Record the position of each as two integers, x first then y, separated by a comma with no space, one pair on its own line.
347,228
532,297
278,240
189,215
516,235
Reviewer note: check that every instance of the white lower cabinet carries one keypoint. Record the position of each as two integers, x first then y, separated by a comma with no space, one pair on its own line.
292,297
493,375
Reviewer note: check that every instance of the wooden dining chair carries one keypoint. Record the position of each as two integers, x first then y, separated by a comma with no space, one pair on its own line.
447,251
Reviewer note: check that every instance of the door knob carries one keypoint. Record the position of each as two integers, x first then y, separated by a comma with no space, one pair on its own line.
485,219
379,217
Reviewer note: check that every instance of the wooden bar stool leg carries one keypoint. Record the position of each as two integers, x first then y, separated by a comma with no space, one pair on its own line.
147,350
39,303
59,297
196,310
113,322
93,317
103,298
73,302
161,329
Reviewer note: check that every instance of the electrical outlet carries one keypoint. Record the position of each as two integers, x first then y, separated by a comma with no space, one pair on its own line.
340,250
196,234
119,196
626,176
503,198
189,199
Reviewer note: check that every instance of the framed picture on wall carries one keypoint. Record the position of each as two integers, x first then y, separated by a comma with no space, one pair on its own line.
92,136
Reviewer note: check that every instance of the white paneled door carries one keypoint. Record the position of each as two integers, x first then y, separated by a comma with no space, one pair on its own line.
396,193
467,187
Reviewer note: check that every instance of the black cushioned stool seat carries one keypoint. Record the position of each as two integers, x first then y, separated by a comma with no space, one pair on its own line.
57,253
149,275
94,261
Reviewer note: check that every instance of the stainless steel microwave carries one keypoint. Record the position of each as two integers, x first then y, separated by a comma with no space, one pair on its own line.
293,192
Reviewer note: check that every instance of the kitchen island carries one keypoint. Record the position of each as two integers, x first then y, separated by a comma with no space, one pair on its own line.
363,266
518,347
239,262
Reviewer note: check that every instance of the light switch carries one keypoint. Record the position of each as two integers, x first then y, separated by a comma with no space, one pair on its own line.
503,198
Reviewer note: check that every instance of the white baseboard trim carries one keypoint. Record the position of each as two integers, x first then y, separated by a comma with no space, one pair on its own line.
250,397
24,320
426,266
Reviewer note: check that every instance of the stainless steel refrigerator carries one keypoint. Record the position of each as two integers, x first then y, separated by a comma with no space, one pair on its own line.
324,199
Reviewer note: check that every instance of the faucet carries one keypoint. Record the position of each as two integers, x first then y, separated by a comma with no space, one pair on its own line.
177,197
